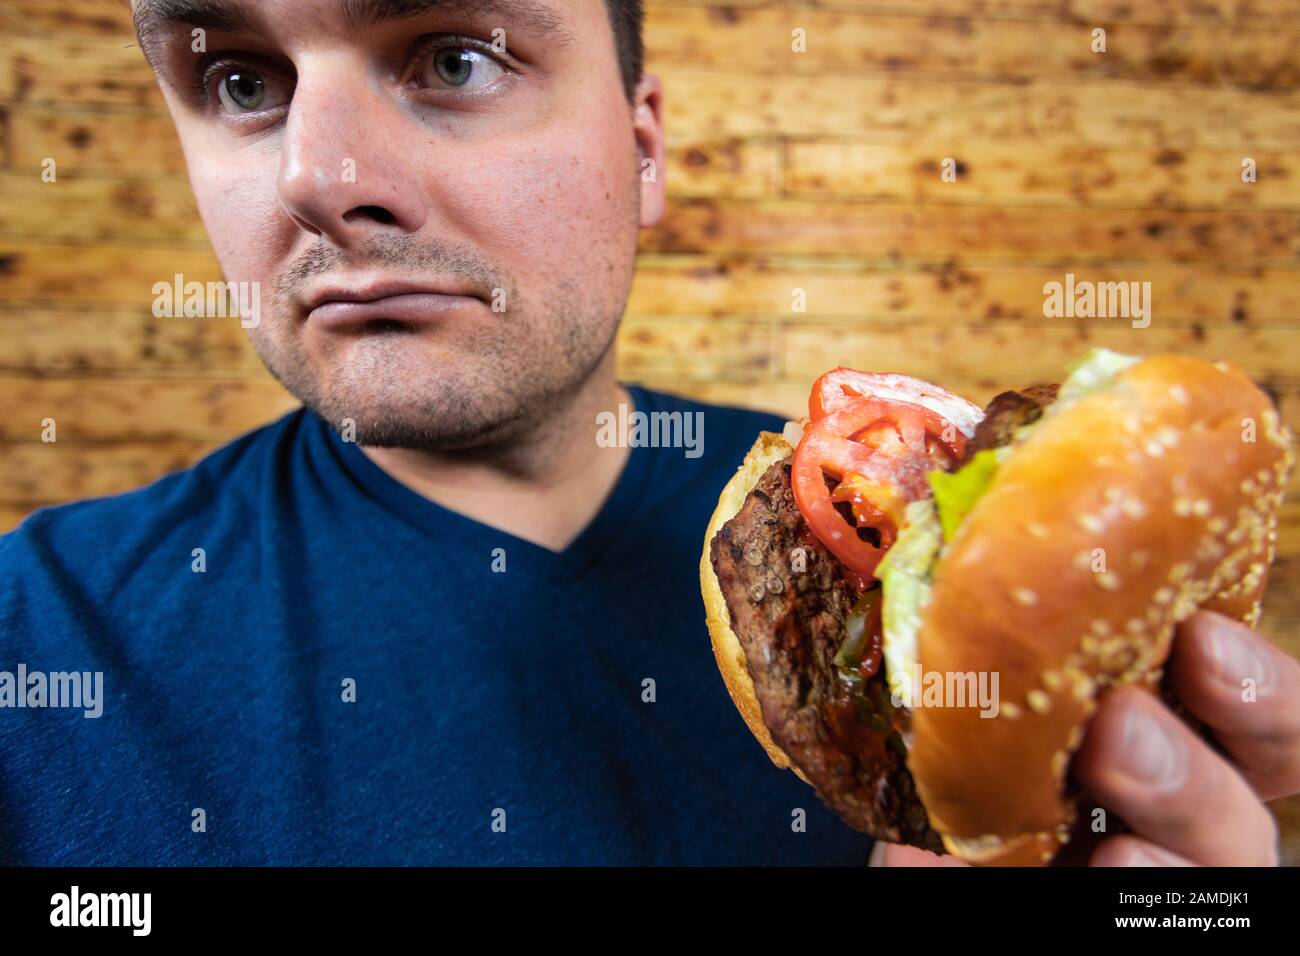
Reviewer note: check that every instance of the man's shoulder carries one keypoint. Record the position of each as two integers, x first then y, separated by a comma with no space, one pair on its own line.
716,439
226,478
737,419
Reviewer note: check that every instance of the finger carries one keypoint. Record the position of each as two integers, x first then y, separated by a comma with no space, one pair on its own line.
1248,692
1134,851
896,854
1146,765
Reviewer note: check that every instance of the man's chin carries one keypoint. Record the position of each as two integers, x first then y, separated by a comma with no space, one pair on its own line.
386,346
400,429
386,418
429,390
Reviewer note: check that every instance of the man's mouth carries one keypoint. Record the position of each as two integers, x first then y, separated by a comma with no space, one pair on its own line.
341,306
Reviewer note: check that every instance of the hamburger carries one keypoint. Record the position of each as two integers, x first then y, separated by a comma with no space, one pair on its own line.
916,604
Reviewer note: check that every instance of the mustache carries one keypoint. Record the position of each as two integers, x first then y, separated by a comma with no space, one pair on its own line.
406,253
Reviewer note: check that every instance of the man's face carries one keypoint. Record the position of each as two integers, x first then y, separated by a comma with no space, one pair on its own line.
383,150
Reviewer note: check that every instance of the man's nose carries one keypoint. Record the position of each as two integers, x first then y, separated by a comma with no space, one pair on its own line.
346,170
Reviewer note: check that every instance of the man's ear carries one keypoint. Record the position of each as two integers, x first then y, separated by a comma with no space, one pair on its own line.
647,122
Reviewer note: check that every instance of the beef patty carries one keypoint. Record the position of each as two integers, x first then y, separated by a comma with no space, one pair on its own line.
1007,412
789,599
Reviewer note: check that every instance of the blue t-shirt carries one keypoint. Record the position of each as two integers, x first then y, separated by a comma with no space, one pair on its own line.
350,681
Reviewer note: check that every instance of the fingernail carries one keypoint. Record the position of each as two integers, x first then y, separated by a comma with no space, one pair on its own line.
1234,658
1148,754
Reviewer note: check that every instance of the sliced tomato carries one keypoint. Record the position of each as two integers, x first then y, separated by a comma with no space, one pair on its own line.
843,386
835,389
879,452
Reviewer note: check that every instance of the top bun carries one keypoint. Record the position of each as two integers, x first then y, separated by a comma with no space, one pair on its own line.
1118,516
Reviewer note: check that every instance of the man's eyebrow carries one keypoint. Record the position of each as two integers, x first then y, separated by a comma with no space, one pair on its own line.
153,17
531,15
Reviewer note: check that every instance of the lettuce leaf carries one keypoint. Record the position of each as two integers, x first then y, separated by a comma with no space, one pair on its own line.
904,574
955,493
1094,371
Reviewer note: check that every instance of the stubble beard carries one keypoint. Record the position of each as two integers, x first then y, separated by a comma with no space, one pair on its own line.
492,377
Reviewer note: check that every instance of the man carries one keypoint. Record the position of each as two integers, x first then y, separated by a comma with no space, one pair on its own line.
438,615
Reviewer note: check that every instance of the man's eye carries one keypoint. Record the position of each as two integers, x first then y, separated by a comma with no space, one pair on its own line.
459,68
242,90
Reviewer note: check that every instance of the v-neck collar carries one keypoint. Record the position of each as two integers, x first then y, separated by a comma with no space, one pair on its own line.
429,516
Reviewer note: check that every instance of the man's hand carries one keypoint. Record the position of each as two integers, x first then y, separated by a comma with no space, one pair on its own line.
1187,805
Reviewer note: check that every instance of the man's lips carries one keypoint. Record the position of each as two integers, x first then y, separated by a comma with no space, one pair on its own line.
412,307
339,308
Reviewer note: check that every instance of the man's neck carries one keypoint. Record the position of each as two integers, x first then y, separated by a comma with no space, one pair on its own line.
545,489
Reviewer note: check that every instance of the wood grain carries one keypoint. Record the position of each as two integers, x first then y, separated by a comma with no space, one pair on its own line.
813,39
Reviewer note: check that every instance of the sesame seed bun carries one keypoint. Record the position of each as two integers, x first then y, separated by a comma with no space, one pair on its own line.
1118,517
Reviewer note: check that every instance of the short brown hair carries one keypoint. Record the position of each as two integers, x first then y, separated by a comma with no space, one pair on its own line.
627,20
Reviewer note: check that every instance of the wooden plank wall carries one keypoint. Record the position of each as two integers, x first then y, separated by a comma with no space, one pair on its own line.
817,171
